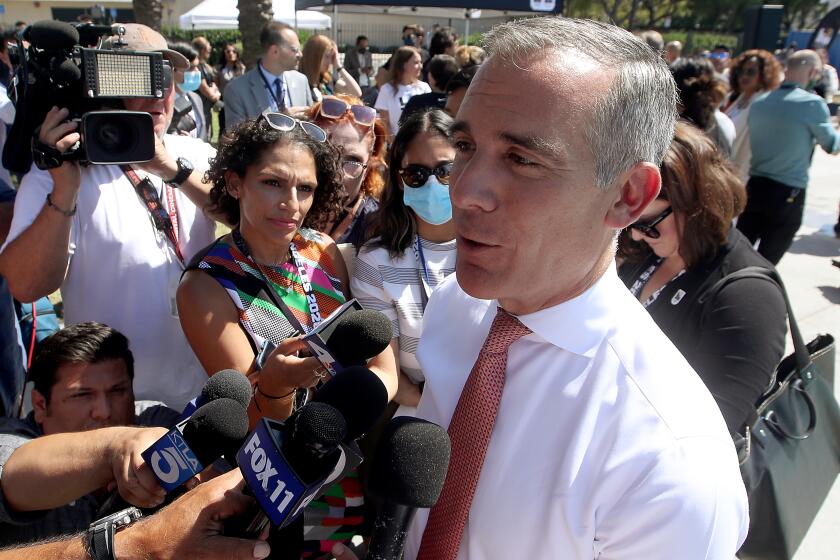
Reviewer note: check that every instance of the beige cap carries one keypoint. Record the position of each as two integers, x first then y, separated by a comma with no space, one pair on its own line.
139,37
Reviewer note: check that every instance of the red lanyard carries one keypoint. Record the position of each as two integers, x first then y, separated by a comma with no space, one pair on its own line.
165,220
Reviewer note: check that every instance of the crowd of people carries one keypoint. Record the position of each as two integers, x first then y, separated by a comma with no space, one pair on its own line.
543,220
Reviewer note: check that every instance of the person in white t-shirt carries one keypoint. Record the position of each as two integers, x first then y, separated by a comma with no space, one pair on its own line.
404,83
86,230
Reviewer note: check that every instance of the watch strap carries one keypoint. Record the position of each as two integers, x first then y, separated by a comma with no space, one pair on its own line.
100,534
185,169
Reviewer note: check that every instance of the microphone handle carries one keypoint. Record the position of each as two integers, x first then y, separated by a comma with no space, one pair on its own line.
389,530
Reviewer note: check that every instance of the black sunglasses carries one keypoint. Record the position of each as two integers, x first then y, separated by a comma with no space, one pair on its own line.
285,123
648,229
415,176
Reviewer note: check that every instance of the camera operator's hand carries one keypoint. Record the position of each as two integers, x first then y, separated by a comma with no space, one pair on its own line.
57,131
162,164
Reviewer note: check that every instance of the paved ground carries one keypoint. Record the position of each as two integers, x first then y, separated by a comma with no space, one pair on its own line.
814,288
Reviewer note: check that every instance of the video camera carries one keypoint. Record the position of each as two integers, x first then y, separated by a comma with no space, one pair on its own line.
88,69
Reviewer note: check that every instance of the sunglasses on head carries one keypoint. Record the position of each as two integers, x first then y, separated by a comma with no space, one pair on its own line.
285,123
334,108
415,176
648,229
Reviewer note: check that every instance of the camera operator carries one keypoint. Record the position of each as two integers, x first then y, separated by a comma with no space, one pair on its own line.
115,239
192,527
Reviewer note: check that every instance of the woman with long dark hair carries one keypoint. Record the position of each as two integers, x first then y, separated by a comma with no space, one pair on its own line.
412,241
701,94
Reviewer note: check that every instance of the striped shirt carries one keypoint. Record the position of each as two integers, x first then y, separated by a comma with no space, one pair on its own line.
395,287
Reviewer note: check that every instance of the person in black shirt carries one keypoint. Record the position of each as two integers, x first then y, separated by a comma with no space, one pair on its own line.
677,251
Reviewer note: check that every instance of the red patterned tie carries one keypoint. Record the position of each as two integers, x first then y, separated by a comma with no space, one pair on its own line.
470,430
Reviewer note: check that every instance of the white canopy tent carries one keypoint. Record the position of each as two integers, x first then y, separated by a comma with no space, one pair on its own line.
223,14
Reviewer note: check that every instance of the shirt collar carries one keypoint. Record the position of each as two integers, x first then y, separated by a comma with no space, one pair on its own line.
268,75
580,324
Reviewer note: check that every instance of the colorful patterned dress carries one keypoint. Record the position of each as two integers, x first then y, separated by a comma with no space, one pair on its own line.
337,515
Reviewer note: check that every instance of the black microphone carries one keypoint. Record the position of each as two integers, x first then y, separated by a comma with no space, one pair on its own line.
350,339
284,463
214,429
359,395
227,383
285,478
408,471
360,336
194,444
51,35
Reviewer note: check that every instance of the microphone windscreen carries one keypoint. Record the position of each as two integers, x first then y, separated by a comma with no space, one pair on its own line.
359,336
359,395
215,428
229,384
51,35
410,463
66,72
320,425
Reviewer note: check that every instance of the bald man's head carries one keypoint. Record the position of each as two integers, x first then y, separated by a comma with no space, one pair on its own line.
803,66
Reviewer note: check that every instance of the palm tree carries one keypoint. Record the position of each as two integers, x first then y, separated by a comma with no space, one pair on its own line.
148,12
253,15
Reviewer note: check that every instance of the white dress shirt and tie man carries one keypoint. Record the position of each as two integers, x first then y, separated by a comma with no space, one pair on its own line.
274,83
578,430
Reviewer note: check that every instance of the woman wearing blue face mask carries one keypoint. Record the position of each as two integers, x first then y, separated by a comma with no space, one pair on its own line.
187,83
411,246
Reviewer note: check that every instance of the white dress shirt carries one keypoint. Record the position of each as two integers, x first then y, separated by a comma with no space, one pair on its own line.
268,82
607,445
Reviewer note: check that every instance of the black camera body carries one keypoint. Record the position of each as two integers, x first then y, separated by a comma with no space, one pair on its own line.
58,67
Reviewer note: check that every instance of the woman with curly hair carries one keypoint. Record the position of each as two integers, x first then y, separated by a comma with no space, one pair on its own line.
753,73
701,93
353,128
275,276
680,247
277,183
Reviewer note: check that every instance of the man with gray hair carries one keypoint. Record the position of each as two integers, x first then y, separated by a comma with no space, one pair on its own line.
578,430
785,126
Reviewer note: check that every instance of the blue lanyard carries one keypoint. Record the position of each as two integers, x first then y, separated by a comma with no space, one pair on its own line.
424,277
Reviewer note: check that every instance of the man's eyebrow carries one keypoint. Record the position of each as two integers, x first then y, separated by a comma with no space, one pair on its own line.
539,144
460,126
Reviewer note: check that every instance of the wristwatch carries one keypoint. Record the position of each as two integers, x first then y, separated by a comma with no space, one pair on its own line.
185,169
100,534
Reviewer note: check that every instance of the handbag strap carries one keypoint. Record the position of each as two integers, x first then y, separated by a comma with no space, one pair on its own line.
803,358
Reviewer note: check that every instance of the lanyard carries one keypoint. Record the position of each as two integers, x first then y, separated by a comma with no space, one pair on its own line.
314,310
422,272
270,89
164,220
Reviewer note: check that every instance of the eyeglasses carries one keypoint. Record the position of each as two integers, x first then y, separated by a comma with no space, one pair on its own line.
285,123
719,55
415,176
749,72
648,229
352,168
335,108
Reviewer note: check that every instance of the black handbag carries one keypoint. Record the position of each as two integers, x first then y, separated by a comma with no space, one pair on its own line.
789,451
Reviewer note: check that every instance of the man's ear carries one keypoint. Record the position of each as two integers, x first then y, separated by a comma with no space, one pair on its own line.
637,187
39,406
233,184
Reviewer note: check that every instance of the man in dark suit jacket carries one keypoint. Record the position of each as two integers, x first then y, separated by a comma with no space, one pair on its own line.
274,83
357,65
